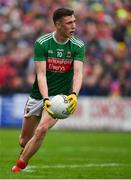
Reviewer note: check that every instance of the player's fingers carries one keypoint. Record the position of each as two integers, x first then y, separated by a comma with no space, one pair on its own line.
72,109
50,113
48,104
71,104
68,98
48,110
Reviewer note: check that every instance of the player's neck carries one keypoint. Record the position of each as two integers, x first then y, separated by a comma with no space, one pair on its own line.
60,38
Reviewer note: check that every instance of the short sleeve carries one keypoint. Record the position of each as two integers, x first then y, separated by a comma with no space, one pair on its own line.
80,54
39,52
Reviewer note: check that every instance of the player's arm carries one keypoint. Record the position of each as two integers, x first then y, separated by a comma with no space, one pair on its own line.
78,76
77,82
77,79
40,67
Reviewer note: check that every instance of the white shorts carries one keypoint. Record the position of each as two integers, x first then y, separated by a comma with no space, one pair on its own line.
33,107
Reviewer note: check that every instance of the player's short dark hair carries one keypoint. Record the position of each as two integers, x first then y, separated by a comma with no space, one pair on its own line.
61,12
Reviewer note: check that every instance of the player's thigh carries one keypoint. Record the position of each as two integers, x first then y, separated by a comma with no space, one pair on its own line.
32,113
28,127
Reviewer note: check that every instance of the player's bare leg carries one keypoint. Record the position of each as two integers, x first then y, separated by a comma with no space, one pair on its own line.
35,142
28,127
27,131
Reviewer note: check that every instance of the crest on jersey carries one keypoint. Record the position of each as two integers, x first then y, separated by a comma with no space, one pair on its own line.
68,55
50,51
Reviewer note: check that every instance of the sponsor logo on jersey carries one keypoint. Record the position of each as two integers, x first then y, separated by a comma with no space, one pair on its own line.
59,65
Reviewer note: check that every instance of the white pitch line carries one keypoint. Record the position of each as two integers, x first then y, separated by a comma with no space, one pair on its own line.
61,166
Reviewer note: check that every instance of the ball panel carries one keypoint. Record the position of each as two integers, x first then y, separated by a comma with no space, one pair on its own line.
58,106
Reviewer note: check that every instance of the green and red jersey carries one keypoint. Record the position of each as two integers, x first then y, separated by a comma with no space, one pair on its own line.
59,59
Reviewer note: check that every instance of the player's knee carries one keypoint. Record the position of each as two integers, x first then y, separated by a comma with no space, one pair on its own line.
41,131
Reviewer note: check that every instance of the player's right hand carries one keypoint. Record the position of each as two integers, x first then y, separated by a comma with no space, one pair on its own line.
72,98
47,105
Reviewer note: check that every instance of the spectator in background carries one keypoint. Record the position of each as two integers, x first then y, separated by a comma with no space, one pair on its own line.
104,25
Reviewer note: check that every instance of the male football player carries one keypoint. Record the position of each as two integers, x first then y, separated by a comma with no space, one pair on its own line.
58,58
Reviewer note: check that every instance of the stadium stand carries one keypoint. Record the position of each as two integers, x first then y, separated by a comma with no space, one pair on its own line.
104,26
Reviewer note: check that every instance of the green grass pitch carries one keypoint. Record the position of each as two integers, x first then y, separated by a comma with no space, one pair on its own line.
70,155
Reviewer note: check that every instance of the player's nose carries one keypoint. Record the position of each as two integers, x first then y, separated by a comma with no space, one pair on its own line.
73,25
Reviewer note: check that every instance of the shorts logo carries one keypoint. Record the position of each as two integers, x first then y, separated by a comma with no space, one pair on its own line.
27,110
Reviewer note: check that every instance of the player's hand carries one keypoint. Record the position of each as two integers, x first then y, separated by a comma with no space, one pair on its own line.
72,98
47,105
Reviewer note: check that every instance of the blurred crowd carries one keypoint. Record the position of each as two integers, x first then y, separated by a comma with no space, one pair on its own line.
104,26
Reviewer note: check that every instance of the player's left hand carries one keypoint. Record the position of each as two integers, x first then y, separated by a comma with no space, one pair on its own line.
72,98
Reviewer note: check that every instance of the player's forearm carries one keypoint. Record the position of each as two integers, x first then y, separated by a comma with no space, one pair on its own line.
77,82
41,78
42,83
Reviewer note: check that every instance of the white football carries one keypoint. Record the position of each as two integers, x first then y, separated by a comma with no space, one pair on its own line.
58,107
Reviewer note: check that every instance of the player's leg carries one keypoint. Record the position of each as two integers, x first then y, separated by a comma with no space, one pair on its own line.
28,127
35,142
32,113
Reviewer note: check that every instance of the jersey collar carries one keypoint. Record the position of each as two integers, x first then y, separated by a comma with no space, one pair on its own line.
53,34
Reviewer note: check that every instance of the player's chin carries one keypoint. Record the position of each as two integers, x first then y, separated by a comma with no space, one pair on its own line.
71,34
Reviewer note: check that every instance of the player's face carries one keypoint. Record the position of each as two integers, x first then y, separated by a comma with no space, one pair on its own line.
67,26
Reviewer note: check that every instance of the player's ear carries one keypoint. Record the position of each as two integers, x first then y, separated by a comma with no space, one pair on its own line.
58,24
